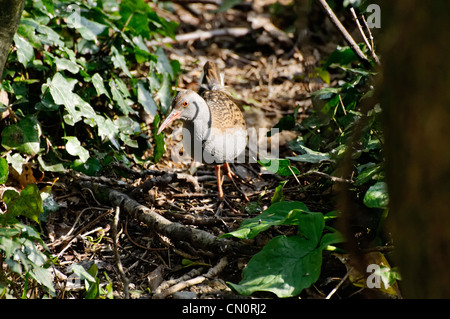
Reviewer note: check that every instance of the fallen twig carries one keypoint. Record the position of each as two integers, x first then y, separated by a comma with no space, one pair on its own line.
212,272
164,180
93,222
339,284
201,35
119,266
199,239
330,177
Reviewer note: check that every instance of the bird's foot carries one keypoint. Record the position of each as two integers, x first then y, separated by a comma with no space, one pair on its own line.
232,176
223,201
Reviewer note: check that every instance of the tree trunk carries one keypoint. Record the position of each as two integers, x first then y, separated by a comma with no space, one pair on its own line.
415,96
10,13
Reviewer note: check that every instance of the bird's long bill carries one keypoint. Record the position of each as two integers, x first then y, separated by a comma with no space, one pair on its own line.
172,117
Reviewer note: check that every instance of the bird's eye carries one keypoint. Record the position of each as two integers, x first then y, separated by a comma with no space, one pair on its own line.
185,103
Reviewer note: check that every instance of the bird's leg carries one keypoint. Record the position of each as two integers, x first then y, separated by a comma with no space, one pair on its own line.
229,172
231,175
222,199
219,181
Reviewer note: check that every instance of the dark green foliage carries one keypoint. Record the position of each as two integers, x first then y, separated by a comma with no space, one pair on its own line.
77,79
81,72
289,264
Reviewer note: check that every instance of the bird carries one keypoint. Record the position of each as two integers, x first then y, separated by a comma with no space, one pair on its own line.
214,128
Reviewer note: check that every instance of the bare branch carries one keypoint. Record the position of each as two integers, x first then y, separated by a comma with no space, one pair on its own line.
348,38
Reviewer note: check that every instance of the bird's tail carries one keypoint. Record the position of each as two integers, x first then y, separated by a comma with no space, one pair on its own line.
211,78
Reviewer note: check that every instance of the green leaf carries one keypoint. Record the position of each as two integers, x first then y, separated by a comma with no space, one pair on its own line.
145,98
159,144
9,246
164,94
119,61
342,56
88,29
163,65
65,64
281,213
285,266
311,226
97,80
377,196
118,96
49,36
280,166
135,16
309,156
4,170
9,232
14,265
23,136
61,90
82,273
93,288
278,195
10,196
49,203
57,167
44,277
25,52
91,167
285,123
28,204
74,148
368,172
331,239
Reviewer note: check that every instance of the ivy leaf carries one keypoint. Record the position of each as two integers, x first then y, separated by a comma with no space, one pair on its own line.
285,266
23,136
25,52
44,277
88,29
309,156
285,123
377,196
119,61
119,97
91,167
48,36
66,64
74,148
4,170
280,213
146,100
280,166
28,203
97,81
159,149
61,89
163,65
341,56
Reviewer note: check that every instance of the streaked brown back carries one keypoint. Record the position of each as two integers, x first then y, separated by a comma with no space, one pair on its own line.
225,113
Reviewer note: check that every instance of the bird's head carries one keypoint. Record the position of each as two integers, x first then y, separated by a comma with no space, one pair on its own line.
185,106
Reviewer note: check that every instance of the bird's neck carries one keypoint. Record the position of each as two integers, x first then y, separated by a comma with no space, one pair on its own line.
200,121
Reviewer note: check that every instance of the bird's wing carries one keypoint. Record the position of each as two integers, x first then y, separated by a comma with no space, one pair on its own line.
224,112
